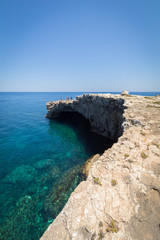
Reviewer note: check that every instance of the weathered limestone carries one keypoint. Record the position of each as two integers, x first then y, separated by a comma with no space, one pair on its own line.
87,165
104,112
124,204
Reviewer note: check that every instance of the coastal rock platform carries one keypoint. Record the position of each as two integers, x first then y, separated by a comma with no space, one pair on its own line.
120,199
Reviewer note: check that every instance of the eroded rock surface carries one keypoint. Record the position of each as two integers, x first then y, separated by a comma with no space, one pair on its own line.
120,199
104,112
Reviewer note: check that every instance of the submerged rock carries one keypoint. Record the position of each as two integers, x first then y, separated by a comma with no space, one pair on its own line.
42,164
51,174
23,173
61,191
22,219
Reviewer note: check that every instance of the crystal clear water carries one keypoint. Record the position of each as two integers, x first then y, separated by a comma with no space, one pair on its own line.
39,162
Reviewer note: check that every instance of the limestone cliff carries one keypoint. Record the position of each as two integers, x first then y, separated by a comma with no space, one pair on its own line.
120,198
105,113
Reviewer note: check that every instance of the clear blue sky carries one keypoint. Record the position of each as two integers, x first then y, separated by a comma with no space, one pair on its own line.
80,45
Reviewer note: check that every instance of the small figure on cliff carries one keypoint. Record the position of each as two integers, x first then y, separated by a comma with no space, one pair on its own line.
71,98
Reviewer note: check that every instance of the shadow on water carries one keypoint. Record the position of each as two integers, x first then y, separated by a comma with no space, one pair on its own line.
93,142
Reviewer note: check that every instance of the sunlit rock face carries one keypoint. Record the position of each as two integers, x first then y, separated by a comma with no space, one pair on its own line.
104,112
120,198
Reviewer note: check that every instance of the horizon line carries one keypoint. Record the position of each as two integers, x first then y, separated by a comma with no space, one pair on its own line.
77,91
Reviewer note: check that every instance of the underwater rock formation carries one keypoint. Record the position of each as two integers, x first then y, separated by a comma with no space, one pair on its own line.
120,198
57,196
42,164
23,173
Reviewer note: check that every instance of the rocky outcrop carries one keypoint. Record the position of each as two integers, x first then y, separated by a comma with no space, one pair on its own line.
87,165
104,112
120,199
124,93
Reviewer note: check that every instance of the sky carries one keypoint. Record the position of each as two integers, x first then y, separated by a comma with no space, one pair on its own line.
79,45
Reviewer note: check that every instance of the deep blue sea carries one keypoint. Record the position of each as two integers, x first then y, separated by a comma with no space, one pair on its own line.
40,161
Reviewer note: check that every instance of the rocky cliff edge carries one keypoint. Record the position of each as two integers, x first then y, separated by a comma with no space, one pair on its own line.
120,199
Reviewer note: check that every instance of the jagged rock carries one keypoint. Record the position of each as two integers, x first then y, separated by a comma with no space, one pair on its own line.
124,201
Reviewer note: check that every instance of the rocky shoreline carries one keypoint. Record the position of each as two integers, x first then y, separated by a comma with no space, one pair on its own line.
120,198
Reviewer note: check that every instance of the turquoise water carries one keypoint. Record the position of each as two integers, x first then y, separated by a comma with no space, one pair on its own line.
39,162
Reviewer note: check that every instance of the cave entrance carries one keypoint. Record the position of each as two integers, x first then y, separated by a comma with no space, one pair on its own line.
94,142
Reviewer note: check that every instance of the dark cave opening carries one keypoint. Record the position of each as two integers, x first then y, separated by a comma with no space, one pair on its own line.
94,142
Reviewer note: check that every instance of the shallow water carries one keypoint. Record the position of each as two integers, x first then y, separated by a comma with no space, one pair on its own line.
39,162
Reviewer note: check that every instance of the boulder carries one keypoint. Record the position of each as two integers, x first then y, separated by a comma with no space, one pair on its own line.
124,93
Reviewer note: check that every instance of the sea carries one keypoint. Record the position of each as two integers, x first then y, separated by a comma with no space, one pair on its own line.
40,161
